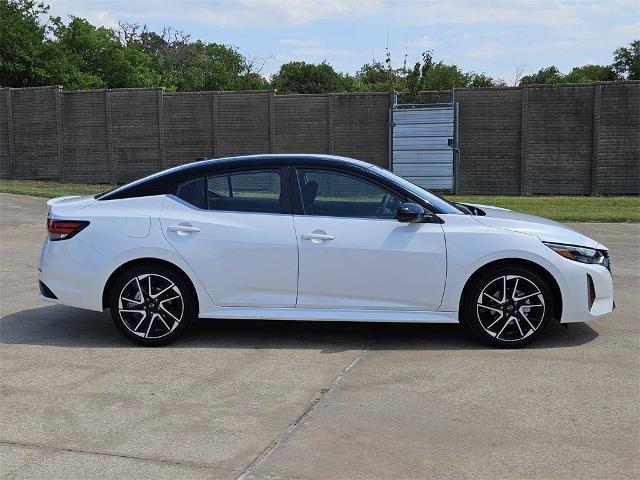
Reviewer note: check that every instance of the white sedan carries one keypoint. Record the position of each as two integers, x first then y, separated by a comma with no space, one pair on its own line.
314,237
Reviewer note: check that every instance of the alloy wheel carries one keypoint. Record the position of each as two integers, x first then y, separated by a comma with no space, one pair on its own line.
150,306
510,308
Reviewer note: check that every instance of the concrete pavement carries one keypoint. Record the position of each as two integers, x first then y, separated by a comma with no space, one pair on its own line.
310,400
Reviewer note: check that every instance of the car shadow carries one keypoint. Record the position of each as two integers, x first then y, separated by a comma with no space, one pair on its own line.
61,326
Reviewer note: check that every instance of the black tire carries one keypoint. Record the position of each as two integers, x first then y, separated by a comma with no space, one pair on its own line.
511,320
155,323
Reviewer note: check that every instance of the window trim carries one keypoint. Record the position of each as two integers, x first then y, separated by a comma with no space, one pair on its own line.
285,187
298,206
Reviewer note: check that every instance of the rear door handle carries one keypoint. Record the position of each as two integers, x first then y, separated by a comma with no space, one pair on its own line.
318,237
183,229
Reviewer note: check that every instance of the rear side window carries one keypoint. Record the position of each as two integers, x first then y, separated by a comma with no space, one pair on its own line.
254,191
193,192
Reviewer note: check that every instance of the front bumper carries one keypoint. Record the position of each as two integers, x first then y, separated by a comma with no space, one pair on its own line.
587,293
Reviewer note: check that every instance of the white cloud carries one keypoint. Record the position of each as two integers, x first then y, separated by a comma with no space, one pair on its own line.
550,13
93,12
282,57
285,13
425,42
487,49
299,43
322,52
630,30
487,35
103,18
226,13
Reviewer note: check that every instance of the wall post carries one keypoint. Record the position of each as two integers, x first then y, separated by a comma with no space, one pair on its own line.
330,124
524,185
161,143
12,151
111,159
272,121
597,96
216,130
57,98
392,101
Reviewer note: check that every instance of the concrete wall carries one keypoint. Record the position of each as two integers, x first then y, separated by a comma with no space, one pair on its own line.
550,139
616,165
85,139
6,155
33,146
489,138
114,136
304,120
562,139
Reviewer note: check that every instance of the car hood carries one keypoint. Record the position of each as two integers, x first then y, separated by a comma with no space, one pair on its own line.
545,229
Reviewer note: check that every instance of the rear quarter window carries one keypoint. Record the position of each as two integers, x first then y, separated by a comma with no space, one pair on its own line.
193,192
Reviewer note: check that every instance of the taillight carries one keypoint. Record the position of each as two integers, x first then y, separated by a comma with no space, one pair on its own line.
64,229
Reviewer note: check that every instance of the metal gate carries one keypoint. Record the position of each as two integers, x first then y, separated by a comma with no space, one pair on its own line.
423,137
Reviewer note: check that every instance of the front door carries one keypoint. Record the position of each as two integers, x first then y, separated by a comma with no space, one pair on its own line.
235,231
355,255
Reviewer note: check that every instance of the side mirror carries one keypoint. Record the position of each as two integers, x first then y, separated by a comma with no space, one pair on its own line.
410,212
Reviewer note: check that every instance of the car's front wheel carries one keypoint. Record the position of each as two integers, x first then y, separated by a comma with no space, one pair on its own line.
152,305
508,306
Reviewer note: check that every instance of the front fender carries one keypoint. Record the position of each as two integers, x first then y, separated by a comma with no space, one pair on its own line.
470,248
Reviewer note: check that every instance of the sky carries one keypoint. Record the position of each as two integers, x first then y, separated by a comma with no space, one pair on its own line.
496,37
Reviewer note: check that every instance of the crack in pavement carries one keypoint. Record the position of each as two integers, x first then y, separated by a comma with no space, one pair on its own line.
49,448
291,429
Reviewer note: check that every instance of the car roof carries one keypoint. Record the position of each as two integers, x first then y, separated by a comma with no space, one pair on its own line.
275,159
159,183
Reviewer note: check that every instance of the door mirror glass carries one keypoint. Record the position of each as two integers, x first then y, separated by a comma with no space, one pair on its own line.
410,212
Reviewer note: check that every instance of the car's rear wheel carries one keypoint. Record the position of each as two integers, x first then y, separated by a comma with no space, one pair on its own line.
508,306
152,305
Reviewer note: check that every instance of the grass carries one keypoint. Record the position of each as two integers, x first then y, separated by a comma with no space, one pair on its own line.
49,189
565,208
562,209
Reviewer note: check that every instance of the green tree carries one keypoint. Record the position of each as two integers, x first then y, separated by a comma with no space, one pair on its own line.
376,77
90,57
626,61
445,77
584,74
301,77
192,66
547,75
36,49
436,76
22,43
481,80
590,73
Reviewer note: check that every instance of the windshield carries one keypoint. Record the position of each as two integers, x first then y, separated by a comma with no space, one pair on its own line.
440,203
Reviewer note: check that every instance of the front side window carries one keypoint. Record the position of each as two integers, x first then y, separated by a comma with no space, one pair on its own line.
337,194
255,191
440,203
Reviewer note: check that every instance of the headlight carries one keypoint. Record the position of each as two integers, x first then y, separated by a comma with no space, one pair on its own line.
579,254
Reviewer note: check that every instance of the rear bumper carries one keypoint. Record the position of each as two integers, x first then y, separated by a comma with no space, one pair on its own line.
72,271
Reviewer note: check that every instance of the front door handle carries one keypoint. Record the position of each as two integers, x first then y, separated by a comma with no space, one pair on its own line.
317,237
183,229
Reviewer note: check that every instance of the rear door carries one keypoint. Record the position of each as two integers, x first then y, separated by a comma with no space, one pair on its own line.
355,255
236,231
